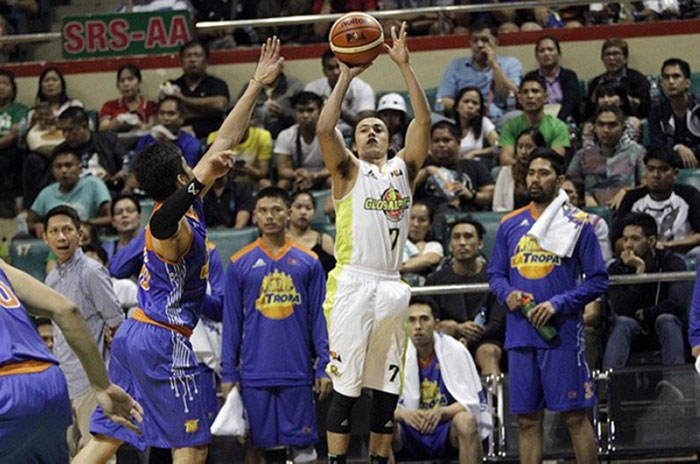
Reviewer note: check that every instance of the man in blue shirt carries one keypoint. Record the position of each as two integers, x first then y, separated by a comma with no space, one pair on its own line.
549,373
496,77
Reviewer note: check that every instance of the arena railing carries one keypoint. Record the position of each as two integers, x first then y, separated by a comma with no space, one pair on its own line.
442,11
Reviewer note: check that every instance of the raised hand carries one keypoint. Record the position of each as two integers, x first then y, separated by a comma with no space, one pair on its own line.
352,71
270,62
399,49
120,407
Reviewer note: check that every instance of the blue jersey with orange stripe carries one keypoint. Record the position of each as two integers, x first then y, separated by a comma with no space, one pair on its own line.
19,339
273,317
518,263
172,292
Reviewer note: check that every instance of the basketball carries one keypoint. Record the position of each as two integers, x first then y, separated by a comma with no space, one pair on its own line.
356,38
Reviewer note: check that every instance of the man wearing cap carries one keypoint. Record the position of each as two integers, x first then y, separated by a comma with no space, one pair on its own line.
674,207
392,110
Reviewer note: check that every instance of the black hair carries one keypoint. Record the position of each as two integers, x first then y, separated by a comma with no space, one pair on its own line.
63,210
548,37
41,321
194,43
11,77
63,148
619,114
156,169
664,153
450,126
643,220
427,205
98,250
299,193
426,300
272,192
579,187
125,196
685,67
75,115
178,101
480,229
327,55
535,135
534,77
40,96
129,67
306,97
475,123
608,87
480,25
550,155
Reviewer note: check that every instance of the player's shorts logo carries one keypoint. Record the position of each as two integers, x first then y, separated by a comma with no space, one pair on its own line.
277,296
391,203
191,426
531,261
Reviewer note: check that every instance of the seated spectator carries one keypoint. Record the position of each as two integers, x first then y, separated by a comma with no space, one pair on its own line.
420,255
392,110
299,229
253,155
437,416
126,220
299,162
479,137
577,193
532,97
510,191
495,76
228,203
563,90
101,153
137,6
359,99
611,168
12,116
614,54
458,311
52,89
425,24
205,97
88,195
651,312
274,108
125,289
131,111
45,329
675,121
674,207
170,116
450,184
614,94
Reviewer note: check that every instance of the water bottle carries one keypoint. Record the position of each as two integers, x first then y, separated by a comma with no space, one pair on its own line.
22,226
511,101
126,162
481,317
547,331
654,90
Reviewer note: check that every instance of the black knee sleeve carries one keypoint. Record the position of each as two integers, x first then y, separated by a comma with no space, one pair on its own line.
339,413
381,417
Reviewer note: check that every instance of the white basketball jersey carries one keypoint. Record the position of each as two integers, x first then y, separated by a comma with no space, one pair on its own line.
372,220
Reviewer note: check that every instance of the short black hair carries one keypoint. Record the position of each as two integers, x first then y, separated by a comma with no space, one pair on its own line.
178,101
548,37
194,43
423,202
13,84
426,300
272,192
480,25
129,67
643,220
663,153
480,229
125,196
450,126
534,134
63,210
75,115
63,148
156,169
550,155
98,250
685,67
608,87
327,55
299,193
579,187
305,97
619,114
40,97
534,77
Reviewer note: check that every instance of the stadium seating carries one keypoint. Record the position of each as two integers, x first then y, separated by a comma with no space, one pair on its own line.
320,197
689,177
489,219
30,256
229,241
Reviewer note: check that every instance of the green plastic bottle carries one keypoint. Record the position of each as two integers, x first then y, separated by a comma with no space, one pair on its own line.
547,332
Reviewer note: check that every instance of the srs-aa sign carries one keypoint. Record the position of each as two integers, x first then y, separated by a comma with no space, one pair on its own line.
125,34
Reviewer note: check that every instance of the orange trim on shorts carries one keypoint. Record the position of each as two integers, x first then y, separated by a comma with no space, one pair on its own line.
30,366
140,316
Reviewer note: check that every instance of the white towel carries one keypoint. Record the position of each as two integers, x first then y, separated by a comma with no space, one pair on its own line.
459,374
230,421
559,226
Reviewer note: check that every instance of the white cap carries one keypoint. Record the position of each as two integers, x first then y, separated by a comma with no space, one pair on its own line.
392,101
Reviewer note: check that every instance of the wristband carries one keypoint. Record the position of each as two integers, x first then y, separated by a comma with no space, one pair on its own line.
195,187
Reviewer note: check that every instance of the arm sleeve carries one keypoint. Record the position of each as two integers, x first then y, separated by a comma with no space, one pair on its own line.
99,287
220,88
507,138
213,304
641,169
595,280
574,169
656,133
317,293
192,150
571,101
513,70
102,195
232,326
284,145
265,145
678,292
694,329
449,81
39,205
498,270
640,89
561,135
127,261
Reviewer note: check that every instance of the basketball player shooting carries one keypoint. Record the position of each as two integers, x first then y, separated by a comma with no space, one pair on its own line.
366,304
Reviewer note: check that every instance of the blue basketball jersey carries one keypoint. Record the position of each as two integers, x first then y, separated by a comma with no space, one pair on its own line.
433,392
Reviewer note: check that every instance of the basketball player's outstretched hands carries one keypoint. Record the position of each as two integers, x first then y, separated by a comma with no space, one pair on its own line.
270,62
120,407
352,71
399,49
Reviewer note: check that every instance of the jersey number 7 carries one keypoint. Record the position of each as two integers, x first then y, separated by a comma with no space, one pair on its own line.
394,236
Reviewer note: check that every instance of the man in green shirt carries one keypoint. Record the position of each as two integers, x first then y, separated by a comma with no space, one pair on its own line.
532,97
12,115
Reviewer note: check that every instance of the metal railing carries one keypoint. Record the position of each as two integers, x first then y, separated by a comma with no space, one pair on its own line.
327,18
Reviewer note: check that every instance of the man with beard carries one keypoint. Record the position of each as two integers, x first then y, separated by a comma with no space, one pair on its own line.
553,373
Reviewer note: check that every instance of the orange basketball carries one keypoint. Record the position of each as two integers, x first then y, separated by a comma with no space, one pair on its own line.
356,38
